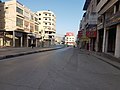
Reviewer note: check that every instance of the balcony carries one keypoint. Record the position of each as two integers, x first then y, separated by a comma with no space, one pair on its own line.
113,19
91,18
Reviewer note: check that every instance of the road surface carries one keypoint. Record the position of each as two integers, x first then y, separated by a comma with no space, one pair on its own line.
63,69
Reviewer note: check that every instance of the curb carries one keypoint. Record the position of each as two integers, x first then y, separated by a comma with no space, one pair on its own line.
110,63
27,53
113,62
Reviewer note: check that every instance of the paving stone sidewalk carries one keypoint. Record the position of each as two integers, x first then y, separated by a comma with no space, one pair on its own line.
108,58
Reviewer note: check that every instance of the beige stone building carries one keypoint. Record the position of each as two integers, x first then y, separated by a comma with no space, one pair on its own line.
18,25
109,26
88,26
47,26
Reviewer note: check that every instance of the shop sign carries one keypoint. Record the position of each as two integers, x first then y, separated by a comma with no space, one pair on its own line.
79,34
91,33
84,38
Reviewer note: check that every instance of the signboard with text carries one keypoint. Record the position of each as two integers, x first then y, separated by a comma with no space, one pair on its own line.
79,34
69,34
91,33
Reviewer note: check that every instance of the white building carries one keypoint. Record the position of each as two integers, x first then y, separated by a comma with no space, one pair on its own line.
47,26
69,39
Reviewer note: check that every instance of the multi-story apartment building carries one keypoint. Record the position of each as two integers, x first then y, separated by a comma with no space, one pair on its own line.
109,26
47,26
82,40
90,21
69,39
18,25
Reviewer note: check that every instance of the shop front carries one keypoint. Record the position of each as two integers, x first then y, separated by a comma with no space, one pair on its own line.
113,34
85,42
92,35
79,39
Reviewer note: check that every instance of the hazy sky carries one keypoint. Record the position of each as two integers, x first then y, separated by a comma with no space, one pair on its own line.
68,12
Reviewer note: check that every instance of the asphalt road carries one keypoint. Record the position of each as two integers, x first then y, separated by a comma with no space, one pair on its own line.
63,69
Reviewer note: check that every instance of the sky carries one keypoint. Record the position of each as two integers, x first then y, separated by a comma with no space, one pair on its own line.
68,12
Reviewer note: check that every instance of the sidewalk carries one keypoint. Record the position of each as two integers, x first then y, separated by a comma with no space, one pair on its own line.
107,58
14,52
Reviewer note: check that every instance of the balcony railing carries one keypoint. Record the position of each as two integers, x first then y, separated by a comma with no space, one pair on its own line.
113,20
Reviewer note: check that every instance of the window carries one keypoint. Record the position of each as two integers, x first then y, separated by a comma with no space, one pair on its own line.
45,14
6,7
19,10
39,14
45,23
19,22
36,28
49,28
36,19
32,17
26,14
39,18
45,18
31,27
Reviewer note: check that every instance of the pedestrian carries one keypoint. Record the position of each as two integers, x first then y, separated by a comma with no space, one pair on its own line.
32,45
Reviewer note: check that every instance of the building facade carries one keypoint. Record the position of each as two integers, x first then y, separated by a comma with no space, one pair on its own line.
70,39
47,26
82,39
88,26
109,26
18,25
